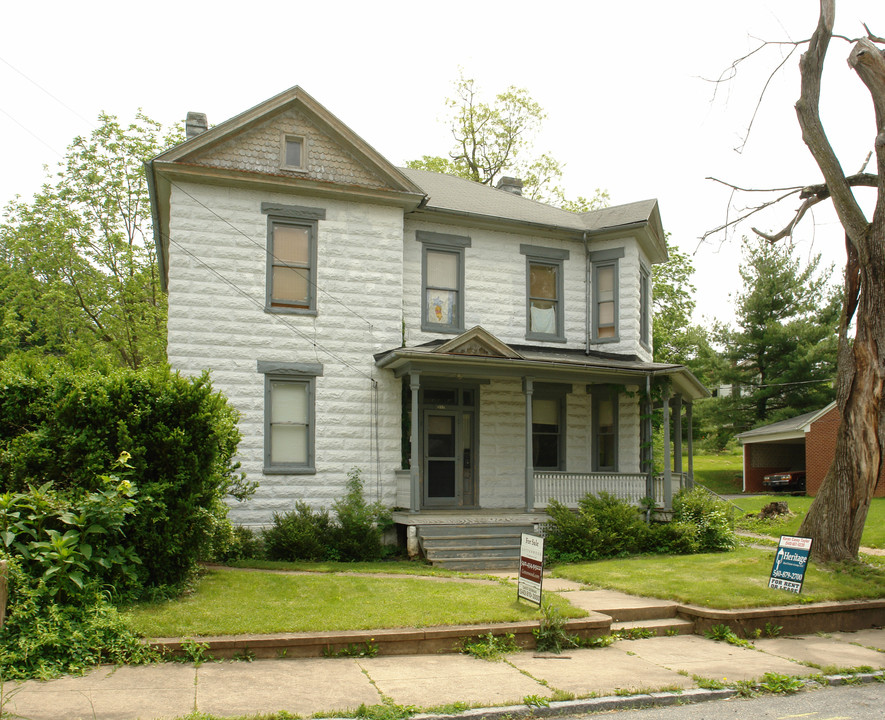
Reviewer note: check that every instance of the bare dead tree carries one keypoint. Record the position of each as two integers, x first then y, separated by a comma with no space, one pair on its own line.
837,516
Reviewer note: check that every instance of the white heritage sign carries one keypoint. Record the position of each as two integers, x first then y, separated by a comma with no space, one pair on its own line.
531,568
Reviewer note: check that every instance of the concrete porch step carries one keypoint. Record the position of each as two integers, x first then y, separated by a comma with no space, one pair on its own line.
472,546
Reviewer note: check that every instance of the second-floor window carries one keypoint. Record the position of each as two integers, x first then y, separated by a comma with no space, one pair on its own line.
644,306
291,257
442,286
544,292
604,283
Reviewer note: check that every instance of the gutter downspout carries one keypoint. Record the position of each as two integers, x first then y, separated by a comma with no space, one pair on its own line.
587,295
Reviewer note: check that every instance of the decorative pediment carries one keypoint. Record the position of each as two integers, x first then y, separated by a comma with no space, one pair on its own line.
291,135
478,342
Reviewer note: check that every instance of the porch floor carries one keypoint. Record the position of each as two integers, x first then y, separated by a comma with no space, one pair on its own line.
459,516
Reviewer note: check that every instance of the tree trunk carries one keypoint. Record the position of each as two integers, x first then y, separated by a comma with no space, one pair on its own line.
837,515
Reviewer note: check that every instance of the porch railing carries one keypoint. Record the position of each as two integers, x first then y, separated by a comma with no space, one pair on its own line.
568,488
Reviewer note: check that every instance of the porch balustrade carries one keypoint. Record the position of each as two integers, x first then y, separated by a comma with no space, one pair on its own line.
568,488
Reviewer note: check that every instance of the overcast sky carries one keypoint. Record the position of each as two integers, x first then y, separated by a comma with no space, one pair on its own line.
626,86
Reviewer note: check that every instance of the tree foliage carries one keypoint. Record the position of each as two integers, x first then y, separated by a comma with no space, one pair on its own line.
494,139
782,354
78,275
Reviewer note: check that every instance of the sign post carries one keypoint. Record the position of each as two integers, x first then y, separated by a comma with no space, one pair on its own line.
531,568
790,563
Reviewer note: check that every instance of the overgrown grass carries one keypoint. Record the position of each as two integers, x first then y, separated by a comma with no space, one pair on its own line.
737,579
719,472
873,534
236,601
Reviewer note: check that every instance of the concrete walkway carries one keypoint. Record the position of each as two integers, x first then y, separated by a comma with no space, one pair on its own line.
627,673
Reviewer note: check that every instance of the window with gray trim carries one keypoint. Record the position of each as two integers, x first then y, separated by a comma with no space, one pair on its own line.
291,257
289,416
548,431
645,306
604,282
442,281
544,292
293,153
605,428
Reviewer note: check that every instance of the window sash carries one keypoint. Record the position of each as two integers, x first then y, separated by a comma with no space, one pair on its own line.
544,293
605,430
291,265
547,433
605,301
289,427
443,277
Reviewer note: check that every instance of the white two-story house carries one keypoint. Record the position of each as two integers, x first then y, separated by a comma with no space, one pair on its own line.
470,350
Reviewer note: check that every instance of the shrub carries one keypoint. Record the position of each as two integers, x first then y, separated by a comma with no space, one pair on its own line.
301,534
355,534
68,428
620,528
42,638
672,538
570,536
713,519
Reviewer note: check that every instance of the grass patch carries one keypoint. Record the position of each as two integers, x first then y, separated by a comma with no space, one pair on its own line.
874,529
393,567
235,601
720,472
737,579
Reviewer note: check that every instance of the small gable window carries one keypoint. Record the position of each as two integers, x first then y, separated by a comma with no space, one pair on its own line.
293,153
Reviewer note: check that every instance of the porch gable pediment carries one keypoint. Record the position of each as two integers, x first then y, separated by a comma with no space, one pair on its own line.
478,342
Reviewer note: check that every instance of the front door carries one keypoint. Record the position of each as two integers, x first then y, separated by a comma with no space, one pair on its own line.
449,449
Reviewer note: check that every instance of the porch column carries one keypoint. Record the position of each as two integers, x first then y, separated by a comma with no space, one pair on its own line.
690,477
528,386
647,440
677,445
414,481
668,464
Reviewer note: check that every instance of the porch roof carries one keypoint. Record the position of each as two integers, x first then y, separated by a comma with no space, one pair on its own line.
472,359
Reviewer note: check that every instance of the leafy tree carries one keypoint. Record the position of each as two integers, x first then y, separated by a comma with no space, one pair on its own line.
491,140
782,355
78,276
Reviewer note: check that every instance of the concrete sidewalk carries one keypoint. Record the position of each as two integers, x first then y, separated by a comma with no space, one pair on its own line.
316,685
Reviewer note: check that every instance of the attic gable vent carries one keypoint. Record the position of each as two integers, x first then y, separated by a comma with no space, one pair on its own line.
196,124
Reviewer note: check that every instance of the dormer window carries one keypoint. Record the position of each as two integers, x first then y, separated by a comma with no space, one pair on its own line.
294,153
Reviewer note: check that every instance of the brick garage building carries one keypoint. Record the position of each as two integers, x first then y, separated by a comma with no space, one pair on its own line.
806,442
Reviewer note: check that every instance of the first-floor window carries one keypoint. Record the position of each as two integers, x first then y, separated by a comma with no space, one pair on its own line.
289,416
547,433
605,429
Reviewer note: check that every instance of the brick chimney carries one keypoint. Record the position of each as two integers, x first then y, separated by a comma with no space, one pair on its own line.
196,124
510,184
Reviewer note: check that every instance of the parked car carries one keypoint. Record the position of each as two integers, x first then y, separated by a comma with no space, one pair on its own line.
790,481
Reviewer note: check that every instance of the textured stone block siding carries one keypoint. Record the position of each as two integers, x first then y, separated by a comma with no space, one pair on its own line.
259,150
213,325
820,449
495,288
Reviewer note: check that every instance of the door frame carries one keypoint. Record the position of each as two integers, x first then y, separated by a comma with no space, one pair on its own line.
464,401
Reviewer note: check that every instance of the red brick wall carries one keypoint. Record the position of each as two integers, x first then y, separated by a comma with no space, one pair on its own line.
820,447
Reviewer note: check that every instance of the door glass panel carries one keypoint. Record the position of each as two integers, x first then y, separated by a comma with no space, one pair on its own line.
441,436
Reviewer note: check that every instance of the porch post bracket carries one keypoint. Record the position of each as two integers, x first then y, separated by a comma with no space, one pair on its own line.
528,385
414,477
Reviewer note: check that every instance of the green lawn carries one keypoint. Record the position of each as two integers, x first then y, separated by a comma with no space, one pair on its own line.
874,529
239,601
719,472
737,579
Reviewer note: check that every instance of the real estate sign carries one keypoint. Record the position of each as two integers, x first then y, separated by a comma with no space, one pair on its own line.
790,562
531,568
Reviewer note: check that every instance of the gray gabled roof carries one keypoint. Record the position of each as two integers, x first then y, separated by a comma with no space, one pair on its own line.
791,427
455,196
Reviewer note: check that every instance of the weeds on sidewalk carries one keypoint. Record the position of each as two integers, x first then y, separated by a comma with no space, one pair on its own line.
489,646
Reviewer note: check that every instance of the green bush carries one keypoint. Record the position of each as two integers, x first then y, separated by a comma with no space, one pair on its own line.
713,518
355,534
68,428
570,536
620,528
673,538
301,534
42,638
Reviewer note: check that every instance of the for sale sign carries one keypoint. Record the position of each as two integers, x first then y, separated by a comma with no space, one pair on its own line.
790,562
531,568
